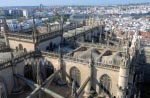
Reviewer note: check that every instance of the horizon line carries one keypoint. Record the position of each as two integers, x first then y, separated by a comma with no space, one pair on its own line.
78,4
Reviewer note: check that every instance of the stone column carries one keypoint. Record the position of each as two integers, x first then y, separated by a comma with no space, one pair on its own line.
100,38
84,35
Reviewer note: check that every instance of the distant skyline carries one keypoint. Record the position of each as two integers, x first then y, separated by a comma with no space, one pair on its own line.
66,2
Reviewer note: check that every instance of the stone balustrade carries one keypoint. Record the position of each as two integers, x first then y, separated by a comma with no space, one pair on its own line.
23,56
81,32
81,61
100,45
41,36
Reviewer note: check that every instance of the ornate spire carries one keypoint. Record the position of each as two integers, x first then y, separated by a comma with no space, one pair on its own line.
34,28
6,28
62,29
92,34
88,88
35,35
106,35
91,60
100,37
75,34
60,63
91,68
127,50
60,52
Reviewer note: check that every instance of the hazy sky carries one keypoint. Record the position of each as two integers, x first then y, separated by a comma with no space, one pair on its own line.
66,2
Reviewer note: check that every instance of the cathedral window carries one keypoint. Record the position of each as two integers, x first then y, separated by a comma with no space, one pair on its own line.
75,75
105,84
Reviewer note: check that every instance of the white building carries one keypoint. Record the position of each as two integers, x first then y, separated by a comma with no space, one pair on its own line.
25,13
29,23
13,24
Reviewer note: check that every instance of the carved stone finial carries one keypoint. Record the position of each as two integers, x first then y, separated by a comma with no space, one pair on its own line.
100,38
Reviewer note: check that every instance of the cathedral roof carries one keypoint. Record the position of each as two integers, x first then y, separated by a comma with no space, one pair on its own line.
87,54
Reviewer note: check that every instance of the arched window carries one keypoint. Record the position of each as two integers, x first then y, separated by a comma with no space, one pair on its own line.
105,84
75,75
30,71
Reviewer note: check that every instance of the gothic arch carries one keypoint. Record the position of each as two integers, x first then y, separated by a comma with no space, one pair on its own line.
75,75
47,69
105,84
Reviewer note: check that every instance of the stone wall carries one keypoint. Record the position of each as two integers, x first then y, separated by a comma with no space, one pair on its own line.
7,75
15,43
85,73
114,75
43,45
